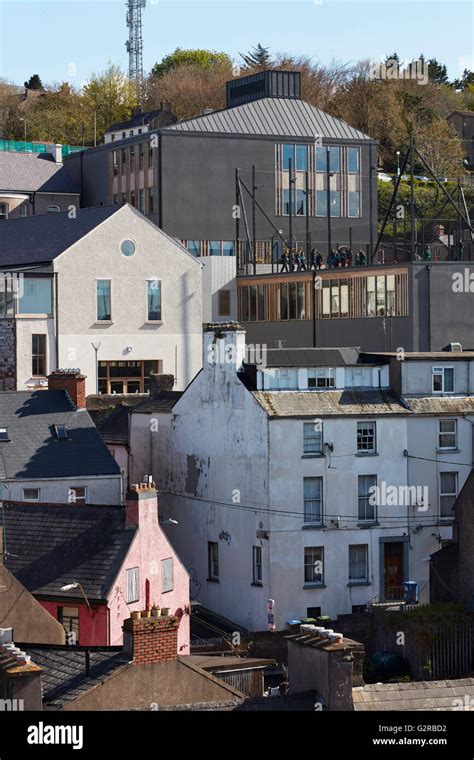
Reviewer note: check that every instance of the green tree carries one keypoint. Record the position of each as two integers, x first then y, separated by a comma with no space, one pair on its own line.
465,81
206,59
34,83
111,96
257,58
437,71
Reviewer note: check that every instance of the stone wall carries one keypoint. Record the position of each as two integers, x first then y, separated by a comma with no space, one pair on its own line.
7,355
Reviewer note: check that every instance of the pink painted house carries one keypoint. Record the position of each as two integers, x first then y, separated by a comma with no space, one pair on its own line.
92,566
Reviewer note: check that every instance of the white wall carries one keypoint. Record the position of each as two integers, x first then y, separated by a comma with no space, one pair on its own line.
100,490
176,340
218,273
417,376
25,328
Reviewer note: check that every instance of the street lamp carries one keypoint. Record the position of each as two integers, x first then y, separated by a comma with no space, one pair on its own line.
398,163
76,584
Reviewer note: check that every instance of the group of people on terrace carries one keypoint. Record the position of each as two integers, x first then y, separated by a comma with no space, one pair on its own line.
297,261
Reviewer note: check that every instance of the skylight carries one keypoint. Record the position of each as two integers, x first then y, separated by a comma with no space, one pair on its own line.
4,434
61,432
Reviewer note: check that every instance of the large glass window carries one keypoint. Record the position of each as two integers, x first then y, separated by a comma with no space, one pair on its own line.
287,155
194,247
322,203
227,247
334,159
353,160
300,203
104,312
353,204
301,158
154,300
358,565
36,297
314,564
390,300
313,500
367,507
371,301
214,247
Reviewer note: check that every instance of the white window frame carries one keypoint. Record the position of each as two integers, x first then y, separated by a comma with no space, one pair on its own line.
447,494
160,320
317,435
446,433
103,321
4,214
327,374
364,499
319,550
53,208
133,585
365,579
167,575
32,488
320,500
72,495
366,423
435,371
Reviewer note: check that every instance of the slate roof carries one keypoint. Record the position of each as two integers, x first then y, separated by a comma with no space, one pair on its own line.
33,450
318,357
39,239
419,695
64,676
441,404
136,121
50,546
29,172
272,117
163,402
110,414
328,403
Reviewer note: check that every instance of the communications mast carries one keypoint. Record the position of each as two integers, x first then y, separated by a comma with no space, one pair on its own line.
134,43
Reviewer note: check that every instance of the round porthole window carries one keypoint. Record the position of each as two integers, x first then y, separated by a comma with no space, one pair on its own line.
128,247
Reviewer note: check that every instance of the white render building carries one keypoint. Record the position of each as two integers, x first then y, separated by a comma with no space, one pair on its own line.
270,473
105,291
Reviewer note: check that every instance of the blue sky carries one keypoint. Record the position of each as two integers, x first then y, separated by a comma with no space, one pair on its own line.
67,40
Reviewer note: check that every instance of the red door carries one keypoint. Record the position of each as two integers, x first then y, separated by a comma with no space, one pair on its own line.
393,570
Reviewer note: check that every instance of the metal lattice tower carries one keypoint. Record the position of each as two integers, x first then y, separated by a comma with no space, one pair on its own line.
134,43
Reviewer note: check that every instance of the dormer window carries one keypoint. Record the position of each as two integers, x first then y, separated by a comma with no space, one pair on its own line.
443,379
61,433
4,438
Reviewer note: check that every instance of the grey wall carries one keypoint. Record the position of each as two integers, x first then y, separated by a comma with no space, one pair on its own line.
198,189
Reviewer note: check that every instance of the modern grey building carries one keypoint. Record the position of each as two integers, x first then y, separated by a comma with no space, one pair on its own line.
416,306
184,175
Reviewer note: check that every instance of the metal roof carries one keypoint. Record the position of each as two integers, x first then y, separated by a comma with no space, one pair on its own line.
275,117
34,172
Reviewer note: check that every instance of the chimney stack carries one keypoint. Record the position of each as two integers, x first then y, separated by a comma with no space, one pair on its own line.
141,503
149,640
160,383
71,381
56,150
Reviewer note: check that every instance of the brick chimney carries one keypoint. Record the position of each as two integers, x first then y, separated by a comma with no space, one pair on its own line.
160,383
71,381
151,639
